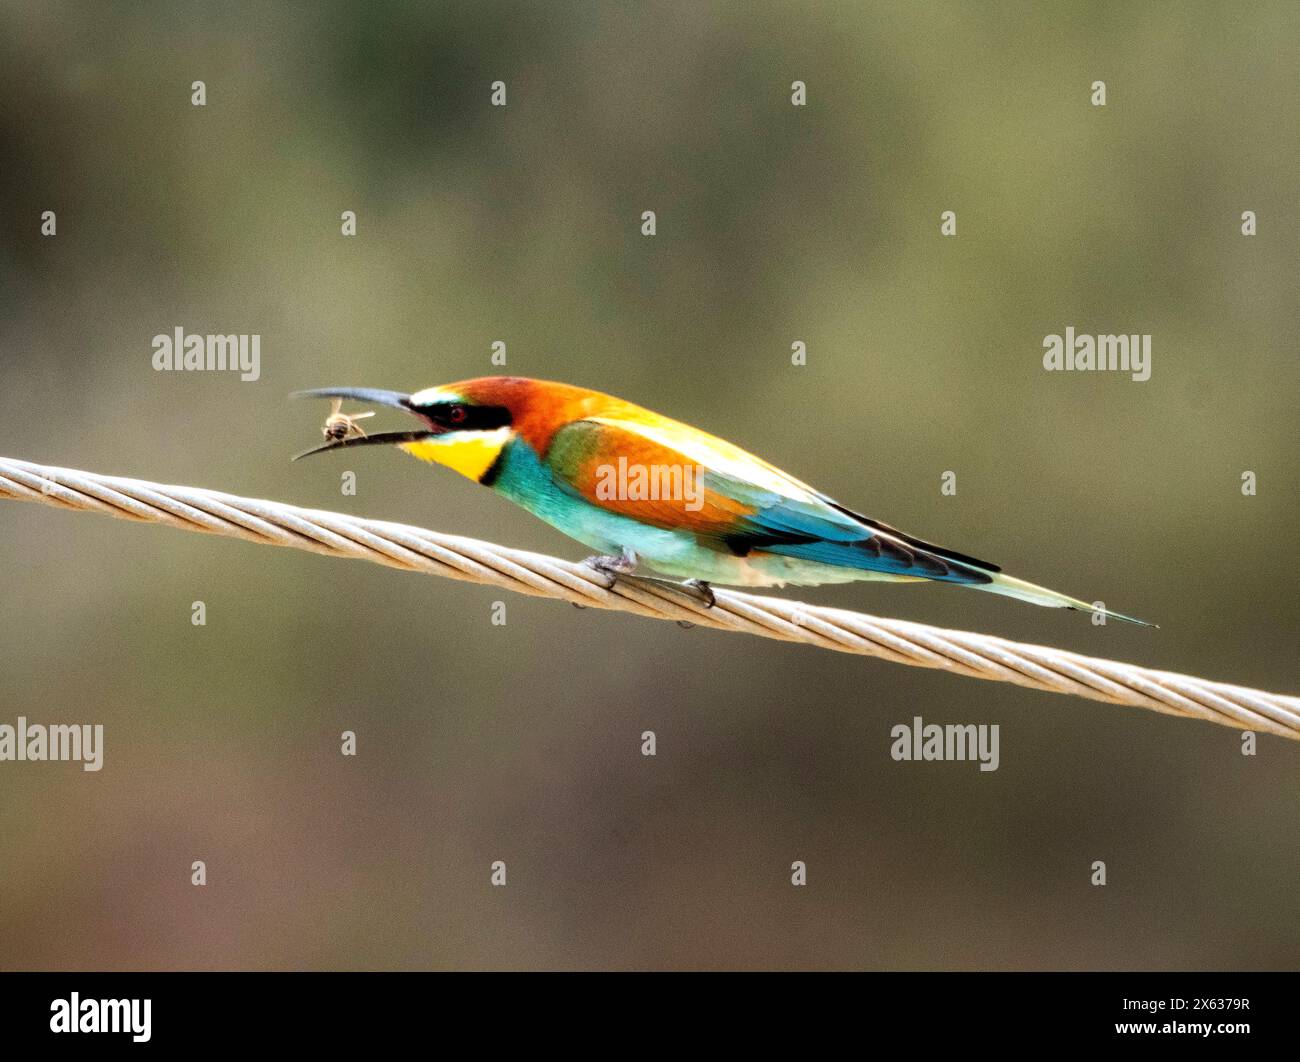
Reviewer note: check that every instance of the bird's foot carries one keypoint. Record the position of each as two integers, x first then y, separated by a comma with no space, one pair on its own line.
701,591
614,565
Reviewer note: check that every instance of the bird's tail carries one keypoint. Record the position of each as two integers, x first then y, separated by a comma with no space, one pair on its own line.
1040,595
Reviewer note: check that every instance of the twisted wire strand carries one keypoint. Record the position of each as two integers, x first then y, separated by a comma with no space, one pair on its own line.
417,549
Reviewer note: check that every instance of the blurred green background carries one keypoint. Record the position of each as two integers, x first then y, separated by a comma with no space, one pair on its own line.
775,224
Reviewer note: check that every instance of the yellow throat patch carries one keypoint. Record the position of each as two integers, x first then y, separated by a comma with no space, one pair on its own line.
471,453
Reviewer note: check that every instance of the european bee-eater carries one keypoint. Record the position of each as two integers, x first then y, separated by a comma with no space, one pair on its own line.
640,487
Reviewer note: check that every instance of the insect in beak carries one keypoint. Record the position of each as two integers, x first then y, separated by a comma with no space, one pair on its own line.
340,425
340,429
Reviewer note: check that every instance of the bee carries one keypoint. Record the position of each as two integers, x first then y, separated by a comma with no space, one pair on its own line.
340,426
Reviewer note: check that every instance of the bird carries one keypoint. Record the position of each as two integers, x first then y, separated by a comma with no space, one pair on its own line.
643,489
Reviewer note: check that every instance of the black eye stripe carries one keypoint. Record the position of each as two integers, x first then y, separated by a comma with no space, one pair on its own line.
464,417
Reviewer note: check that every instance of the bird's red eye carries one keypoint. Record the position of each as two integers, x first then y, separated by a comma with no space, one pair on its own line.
457,414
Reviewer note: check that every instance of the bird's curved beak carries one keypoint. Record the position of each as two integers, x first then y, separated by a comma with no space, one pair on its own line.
370,396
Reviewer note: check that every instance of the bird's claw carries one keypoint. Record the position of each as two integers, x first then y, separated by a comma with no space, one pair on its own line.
613,565
701,591
624,563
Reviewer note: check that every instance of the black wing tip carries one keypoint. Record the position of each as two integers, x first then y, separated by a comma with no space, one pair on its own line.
919,543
